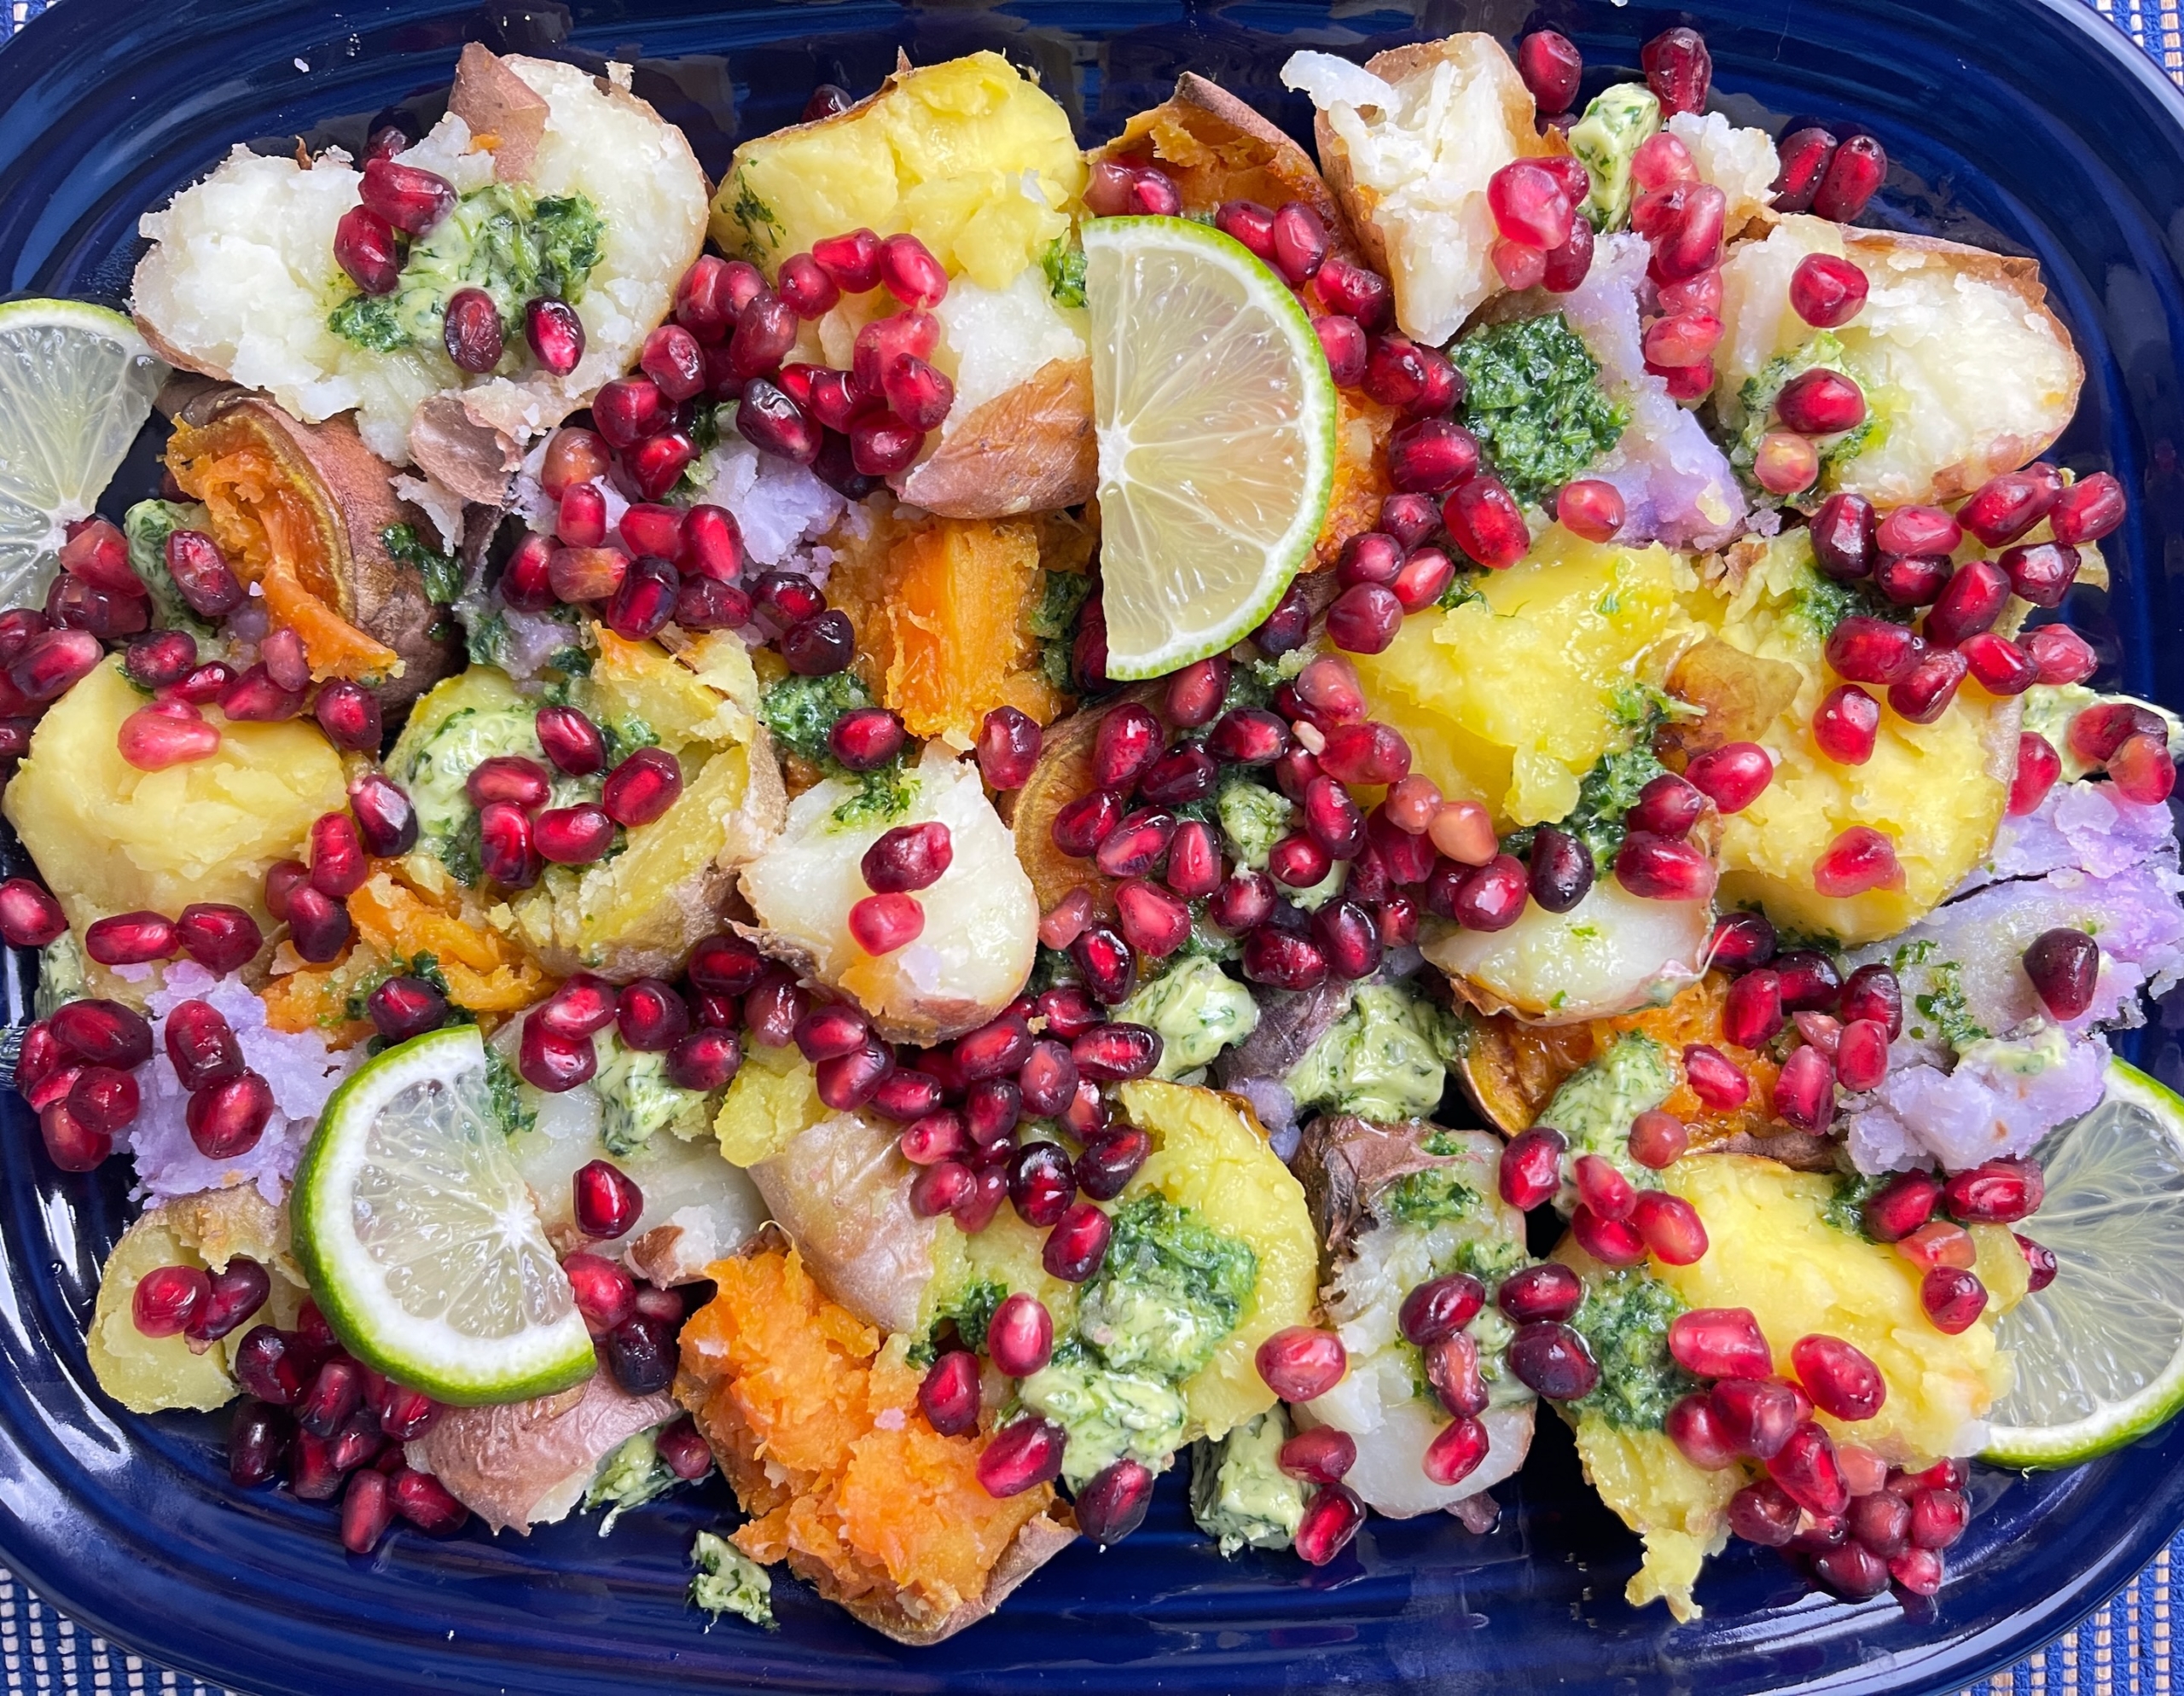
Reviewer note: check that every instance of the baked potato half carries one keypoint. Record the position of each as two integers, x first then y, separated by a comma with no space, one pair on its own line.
308,514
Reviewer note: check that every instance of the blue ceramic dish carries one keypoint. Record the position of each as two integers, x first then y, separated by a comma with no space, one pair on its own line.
2025,125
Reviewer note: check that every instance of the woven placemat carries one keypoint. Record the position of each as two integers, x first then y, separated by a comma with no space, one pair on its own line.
2126,1648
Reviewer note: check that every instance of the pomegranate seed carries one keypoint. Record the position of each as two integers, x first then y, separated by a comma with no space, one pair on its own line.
607,1201
1851,1571
1880,1520
52,664
1919,530
1971,601
1281,961
2088,509
1761,1514
1846,724
227,1119
1741,941
29,917
367,1510
1135,844
1300,242
1491,897
1939,1243
2063,967
1954,1298
1078,1243
1657,868
1719,1342
1550,63
349,716
949,1393
471,330
605,1294
1431,456
1020,1336
1331,1519
1804,1090
1667,806
1485,518
219,938
1869,650
257,1438
2040,1261
1862,1055
2097,734
1842,534
101,1033
1530,206
1685,338
1563,268
773,423
641,1355
201,1045
1678,69
1861,858
411,200
1828,293
508,851
1786,463
765,332
1804,157
1361,295
1732,777
2003,507
1441,1307
915,392
1321,1455
1244,221
1820,403
168,1299
363,247
2043,573
1842,1382
1531,1166
403,1007
1714,1077
642,788
1853,175
1591,510
254,697
1756,1414
996,1049
1613,1242
1602,1188
511,778
386,823
551,1063
164,658
1938,1517
1464,831
574,836
851,262
1690,1425
2141,770
1657,1139
1671,1228
1364,619
555,334
910,272
1300,1363
338,865
1518,264
1917,1571
1365,755
1105,962
1348,939
1998,665
880,924
1553,1361
1923,693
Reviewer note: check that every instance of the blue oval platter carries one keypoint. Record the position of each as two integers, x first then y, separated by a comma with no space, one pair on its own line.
2030,126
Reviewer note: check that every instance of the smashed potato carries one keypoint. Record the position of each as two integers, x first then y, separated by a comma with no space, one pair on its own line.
111,839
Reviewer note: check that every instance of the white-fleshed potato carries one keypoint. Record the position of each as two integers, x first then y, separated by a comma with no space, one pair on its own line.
981,919
1613,951
1966,371
1407,142
242,283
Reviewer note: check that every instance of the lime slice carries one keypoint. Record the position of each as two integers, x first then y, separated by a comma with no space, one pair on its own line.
2101,1351
76,385
420,1238
1217,415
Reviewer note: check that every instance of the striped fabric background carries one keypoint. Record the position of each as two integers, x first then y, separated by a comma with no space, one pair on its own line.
2128,1648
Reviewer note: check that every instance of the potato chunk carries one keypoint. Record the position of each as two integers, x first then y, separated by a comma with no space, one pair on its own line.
981,929
111,839
1509,700
1409,142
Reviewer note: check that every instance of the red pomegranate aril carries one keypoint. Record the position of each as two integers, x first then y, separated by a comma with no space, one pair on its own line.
1846,724
1042,1184
1613,1242
1552,1360
1732,777
1657,1139
1300,1362
101,1033
1938,1518
52,664
1530,1170
1020,1336
607,1199
168,1299
1331,1519
1244,902
254,697
551,1063
1850,1570
1860,1055
470,331
1923,693
651,1016
1686,231
1804,155
1827,292
605,1293
1939,1243
1820,403
1971,601
1550,65
338,864
1529,205
628,409
1853,175
1841,1378
1757,1414
29,917
2063,966
1668,806
385,822
1997,664
1861,858
1917,1571
1741,941
910,273
1918,530
1842,534
851,262
1321,1455
1357,292
1105,959
2088,509
1657,868
413,200
1456,1452
1591,510
1491,897
804,284
1719,1342
364,248
1761,1514
2141,771
765,332
1881,1521
1953,1297
130,939
882,445
1021,1455
1518,264
1714,1077
995,1050
1440,1308
772,422
2098,732
227,1119
1300,237
200,1044
1134,847
1078,1243
1348,939
508,777
1678,69
574,836
1602,1188
1365,755
507,850
642,788
555,334
848,1081
1869,650
1690,1424
915,392
1804,1090
1282,960
1244,221
1486,522
1155,922
949,1393
1684,338
1431,456
880,924
577,576
258,1439
2041,572
2005,506
367,1510
1671,1228
219,938
401,1007
159,660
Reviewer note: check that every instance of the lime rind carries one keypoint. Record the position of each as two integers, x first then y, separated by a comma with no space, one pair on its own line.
1211,494
420,1238
77,382
2099,1352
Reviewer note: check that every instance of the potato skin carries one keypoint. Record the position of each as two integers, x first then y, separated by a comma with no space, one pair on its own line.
1031,449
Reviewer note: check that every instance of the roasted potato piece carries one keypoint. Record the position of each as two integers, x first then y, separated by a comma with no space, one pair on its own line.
974,159
1965,370
307,513
1937,791
814,1420
601,202
521,1464
1064,773
1407,142
981,930
147,1374
942,618
1393,1212
1509,700
1773,1250
111,839
1610,953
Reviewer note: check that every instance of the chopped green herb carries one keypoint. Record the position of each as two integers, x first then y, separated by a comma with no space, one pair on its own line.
1170,1288
882,797
800,711
1624,1320
442,573
1433,1196
1533,397
1845,1210
1064,269
1053,623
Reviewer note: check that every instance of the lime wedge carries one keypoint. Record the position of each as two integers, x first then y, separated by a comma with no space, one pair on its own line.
76,385
420,1238
2100,1351
1215,414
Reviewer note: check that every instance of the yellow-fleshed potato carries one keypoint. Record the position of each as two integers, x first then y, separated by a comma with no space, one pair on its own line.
147,1374
111,839
981,920
1773,1250
1937,791
970,157
1509,700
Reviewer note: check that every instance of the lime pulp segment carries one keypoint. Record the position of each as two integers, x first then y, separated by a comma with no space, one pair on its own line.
2099,1352
419,1237
1215,414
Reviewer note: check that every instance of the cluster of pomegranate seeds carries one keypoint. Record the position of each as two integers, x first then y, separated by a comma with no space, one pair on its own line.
337,1426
